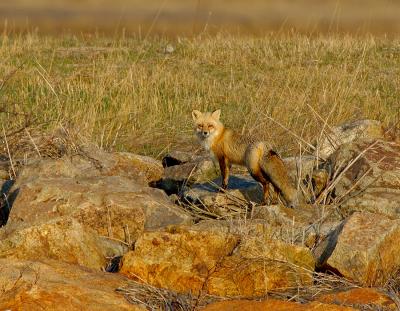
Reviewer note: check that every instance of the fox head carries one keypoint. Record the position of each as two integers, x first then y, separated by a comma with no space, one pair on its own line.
207,124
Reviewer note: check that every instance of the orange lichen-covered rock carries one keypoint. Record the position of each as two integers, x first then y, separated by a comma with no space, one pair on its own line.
52,285
272,304
180,260
217,262
62,239
358,297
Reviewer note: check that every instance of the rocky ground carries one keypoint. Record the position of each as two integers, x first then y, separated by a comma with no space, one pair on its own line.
91,230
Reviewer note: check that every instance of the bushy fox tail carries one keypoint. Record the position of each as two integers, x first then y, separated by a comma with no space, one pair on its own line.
274,169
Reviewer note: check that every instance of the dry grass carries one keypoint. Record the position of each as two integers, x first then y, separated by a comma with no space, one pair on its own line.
128,94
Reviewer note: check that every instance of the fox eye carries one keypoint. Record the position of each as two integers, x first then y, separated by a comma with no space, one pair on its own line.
210,127
199,127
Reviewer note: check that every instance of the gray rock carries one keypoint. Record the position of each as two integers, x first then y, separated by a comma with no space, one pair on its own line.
177,157
372,182
175,177
94,162
113,206
348,132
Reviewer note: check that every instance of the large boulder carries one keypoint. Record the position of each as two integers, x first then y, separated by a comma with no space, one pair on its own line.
348,132
180,260
272,304
217,262
94,162
364,248
367,177
63,239
51,285
113,206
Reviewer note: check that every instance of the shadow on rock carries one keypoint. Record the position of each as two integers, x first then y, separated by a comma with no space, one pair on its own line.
7,200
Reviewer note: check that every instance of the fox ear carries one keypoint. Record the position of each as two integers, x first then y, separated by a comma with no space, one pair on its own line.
196,114
216,114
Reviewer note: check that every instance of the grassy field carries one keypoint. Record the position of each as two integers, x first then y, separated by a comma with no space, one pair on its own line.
129,94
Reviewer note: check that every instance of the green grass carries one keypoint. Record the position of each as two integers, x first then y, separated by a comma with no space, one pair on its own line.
127,94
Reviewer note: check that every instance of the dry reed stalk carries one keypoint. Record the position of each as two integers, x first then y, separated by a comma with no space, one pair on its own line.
9,154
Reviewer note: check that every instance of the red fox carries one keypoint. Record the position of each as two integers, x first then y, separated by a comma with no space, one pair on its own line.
228,147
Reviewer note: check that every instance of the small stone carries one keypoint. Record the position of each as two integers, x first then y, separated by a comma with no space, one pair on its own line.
169,49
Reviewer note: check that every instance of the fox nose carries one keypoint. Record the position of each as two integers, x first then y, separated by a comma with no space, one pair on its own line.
205,133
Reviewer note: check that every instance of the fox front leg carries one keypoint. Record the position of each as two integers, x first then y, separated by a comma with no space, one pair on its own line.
224,167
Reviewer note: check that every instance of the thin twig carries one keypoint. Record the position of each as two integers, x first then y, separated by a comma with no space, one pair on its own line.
114,239
9,153
33,142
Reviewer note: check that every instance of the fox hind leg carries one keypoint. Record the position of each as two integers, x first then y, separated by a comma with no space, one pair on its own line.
267,195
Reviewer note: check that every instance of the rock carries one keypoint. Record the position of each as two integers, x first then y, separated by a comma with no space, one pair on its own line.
348,132
175,177
177,157
241,190
62,239
217,262
133,165
180,260
302,167
363,248
372,183
368,298
261,264
95,162
202,170
272,304
302,225
113,206
51,285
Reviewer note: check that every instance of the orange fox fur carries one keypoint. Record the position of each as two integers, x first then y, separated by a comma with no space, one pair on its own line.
228,148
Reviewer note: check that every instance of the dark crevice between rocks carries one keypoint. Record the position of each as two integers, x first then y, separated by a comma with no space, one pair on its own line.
114,264
325,249
7,200
327,269
168,161
170,186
